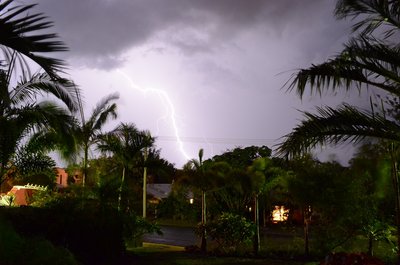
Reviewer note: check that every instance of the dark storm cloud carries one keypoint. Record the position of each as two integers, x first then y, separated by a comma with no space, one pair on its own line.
221,62
99,31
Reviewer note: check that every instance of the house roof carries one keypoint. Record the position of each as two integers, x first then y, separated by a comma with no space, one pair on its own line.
159,191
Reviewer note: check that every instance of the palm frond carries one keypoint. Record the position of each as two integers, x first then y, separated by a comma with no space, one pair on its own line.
108,143
46,114
20,33
51,140
103,111
333,126
11,133
18,123
125,142
192,165
364,61
63,89
373,13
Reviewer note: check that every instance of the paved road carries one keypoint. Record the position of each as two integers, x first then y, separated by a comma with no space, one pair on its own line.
184,236
176,236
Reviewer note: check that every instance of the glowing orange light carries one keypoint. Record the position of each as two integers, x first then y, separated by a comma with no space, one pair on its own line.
279,214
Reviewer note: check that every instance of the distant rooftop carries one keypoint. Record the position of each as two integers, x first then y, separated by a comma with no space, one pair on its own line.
159,191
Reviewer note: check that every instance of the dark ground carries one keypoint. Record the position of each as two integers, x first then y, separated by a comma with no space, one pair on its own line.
168,249
176,236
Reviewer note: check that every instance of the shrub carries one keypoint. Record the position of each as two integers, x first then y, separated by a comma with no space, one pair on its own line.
18,250
93,234
177,207
231,231
135,227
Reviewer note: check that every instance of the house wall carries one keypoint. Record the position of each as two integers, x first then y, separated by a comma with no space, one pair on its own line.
22,193
62,178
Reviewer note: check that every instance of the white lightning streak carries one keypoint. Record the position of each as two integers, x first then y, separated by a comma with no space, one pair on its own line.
171,109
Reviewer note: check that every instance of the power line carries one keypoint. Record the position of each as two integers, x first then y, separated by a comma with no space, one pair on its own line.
215,140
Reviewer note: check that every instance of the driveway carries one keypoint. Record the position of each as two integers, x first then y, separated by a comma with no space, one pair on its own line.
176,236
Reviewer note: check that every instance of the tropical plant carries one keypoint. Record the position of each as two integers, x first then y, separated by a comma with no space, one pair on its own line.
206,177
177,205
370,167
21,114
33,167
135,227
264,178
22,106
242,157
244,178
231,231
87,132
20,39
127,144
159,169
370,60
322,191
105,172
195,170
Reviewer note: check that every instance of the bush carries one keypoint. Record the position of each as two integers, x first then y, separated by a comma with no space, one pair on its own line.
177,207
93,234
231,231
18,250
135,227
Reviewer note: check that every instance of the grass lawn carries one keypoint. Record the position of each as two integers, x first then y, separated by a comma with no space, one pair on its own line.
155,254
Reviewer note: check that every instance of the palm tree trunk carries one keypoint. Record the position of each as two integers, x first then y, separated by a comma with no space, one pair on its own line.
120,189
370,245
203,222
85,158
395,179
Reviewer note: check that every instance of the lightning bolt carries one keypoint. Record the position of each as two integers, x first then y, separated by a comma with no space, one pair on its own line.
170,109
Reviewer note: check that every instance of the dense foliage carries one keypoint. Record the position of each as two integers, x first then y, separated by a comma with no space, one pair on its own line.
93,234
18,250
33,167
231,232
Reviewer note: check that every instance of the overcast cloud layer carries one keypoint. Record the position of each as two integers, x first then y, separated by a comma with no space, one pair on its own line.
221,64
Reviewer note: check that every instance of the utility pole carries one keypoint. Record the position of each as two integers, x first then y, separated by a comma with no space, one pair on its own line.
257,222
145,183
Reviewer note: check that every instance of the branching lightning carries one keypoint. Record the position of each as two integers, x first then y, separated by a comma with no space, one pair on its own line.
169,106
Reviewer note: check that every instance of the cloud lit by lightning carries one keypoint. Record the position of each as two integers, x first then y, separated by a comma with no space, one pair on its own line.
170,109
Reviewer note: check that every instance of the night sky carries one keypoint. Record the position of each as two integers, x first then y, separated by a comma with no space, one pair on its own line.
208,71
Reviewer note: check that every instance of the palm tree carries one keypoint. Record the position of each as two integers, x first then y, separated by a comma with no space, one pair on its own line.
195,170
87,132
371,60
21,113
17,122
21,110
206,176
127,144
